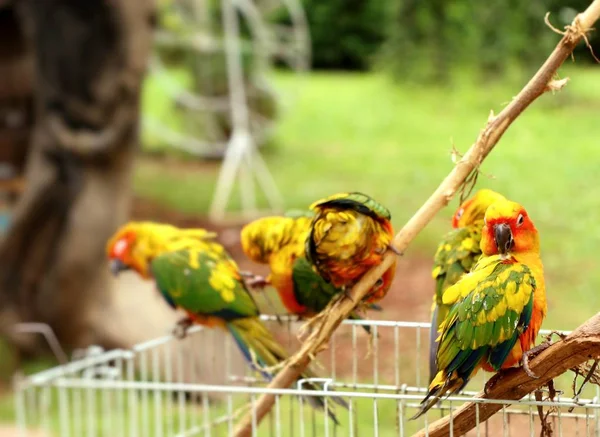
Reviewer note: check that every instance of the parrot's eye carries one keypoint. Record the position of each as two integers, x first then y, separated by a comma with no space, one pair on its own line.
379,282
460,213
520,220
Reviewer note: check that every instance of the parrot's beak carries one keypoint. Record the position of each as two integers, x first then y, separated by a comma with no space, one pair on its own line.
117,266
503,237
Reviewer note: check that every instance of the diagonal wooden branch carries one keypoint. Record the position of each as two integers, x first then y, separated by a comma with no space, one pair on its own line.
487,139
580,346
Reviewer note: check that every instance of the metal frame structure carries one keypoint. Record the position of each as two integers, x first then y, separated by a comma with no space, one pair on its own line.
268,42
148,391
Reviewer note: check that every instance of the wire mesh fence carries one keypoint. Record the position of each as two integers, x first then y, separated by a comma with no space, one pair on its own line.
155,389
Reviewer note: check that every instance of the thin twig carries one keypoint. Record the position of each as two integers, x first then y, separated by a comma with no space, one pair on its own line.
487,139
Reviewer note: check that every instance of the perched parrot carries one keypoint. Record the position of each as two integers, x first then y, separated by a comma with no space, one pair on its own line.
279,241
198,276
350,234
497,309
456,254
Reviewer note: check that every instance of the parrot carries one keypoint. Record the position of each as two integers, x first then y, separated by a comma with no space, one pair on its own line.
279,241
456,254
196,274
497,309
348,235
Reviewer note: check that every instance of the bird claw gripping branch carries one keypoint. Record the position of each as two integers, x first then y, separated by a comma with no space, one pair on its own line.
181,328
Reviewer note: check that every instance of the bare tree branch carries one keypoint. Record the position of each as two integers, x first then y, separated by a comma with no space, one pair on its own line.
580,346
496,126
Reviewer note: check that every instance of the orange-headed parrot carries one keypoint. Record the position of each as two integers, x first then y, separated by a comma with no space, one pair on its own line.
497,309
350,234
279,241
456,254
198,276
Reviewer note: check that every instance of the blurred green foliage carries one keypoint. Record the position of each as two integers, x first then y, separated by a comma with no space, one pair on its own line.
345,34
429,40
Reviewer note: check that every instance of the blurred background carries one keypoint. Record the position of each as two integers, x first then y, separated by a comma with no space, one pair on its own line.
270,107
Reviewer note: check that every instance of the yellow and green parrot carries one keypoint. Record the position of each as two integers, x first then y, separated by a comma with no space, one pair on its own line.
279,241
350,234
497,309
456,254
198,276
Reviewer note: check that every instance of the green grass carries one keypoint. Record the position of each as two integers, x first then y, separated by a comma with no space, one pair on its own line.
362,132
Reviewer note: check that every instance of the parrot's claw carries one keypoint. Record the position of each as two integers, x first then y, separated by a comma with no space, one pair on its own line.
392,248
527,355
181,328
257,281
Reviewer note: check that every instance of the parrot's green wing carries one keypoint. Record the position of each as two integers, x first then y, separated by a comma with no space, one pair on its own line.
491,308
455,256
310,289
359,202
314,292
203,280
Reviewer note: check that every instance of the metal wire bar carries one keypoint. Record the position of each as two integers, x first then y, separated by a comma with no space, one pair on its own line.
161,388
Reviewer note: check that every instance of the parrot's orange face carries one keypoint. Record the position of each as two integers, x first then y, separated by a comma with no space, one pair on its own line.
124,253
508,228
473,209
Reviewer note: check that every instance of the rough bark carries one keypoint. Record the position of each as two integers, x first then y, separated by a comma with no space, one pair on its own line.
16,99
89,60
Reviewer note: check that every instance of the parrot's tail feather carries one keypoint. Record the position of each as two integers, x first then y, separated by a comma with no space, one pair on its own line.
318,402
425,406
441,385
354,316
433,344
264,353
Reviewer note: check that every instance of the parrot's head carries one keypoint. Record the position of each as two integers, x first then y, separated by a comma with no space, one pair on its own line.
128,249
473,209
508,228
136,244
268,235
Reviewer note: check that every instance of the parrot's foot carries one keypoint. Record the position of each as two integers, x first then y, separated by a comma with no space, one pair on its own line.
548,338
531,353
392,248
257,281
181,328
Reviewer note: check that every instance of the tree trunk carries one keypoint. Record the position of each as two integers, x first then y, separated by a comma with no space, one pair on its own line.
16,101
89,61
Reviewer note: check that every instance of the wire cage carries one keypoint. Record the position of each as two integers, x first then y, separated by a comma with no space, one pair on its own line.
156,389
